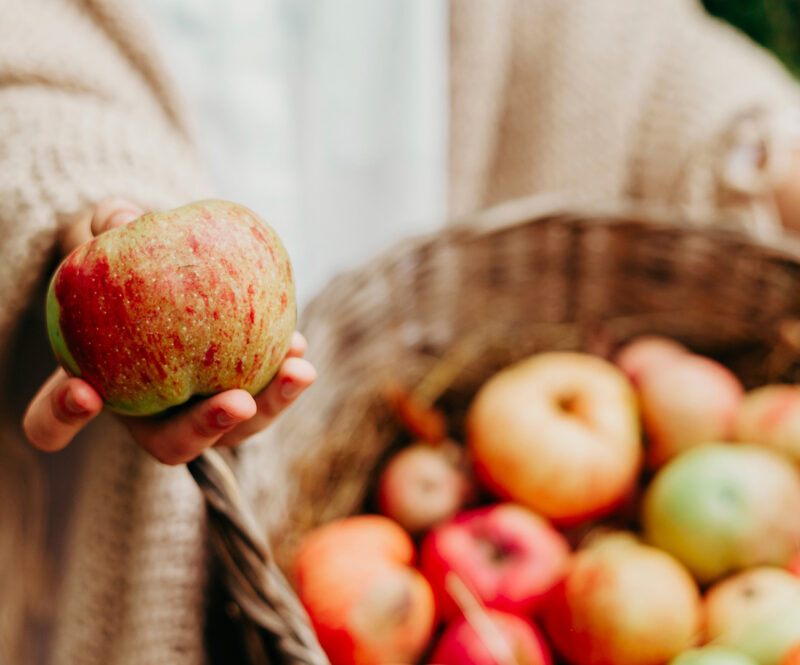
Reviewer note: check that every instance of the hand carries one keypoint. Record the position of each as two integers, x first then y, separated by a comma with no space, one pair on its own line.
65,404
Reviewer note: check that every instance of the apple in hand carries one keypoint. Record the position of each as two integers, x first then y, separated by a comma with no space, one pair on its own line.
645,352
713,655
756,611
191,301
506,555
559,433
721,507
424,484
685,402
623,603
366,602
770,416
493,638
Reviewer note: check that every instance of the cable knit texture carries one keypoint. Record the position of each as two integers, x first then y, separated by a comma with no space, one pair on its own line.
599,99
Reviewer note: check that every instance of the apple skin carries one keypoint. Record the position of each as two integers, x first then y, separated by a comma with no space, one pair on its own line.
645,352
191,301
794,565
713,655
756,611
460,644
366,602
793,657
559,433
770,416
507,555
721,507
424,484
686,402
623,603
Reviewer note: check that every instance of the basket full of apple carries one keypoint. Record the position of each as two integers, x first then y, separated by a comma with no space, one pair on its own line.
550,438
537,437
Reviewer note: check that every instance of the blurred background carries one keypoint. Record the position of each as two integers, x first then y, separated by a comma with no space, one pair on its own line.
772,23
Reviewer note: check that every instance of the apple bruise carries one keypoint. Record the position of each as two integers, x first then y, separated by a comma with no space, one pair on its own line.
165,308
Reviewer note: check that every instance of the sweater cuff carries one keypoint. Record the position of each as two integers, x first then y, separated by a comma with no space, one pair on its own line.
61,150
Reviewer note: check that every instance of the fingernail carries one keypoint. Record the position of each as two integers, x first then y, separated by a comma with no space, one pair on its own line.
120,218
70,406
290,390
224,419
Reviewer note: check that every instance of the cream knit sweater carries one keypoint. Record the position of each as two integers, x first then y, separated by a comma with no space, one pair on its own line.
598,98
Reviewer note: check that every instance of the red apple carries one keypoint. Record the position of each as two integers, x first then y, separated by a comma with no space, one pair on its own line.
508,556
793,657
493,638
623,603
770,416
191,301
365,600
756,611
794,564
558,433
685,402
424,485
644,352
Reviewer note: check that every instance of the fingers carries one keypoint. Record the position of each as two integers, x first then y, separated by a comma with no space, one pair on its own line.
113,213
84,225
297,346
293,377
182,437
76,229
59,410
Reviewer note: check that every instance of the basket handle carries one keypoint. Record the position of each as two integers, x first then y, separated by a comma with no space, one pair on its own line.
252,577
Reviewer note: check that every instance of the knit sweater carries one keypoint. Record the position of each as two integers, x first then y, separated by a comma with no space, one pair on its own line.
599,100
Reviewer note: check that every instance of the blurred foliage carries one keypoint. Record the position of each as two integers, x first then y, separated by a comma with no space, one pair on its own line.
773,23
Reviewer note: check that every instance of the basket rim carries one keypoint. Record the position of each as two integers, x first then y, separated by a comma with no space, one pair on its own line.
609,213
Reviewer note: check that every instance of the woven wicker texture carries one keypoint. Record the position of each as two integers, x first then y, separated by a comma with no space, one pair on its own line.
441,313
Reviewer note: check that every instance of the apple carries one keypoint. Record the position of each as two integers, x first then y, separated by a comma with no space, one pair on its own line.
685,402
720,508
645,352
623,603
756,611
493,638
191,301
770,416
424,484
366,601
559,433
794,565
712,655
793,657
505,554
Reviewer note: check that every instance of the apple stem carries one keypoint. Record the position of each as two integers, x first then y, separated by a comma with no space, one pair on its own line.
417,416
476,616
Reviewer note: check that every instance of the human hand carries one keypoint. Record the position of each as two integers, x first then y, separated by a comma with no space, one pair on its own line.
65,404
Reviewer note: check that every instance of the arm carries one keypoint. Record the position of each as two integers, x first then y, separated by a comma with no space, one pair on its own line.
607,100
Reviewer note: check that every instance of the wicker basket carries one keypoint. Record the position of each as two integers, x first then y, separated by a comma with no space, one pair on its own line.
441,313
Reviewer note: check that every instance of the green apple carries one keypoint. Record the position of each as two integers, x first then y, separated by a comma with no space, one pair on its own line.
756,611
191,301
720,508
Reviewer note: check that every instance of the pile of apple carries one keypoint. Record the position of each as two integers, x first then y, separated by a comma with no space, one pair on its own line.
637,513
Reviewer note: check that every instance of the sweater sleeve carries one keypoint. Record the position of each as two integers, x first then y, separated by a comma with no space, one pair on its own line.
611,99
716,123
84,114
